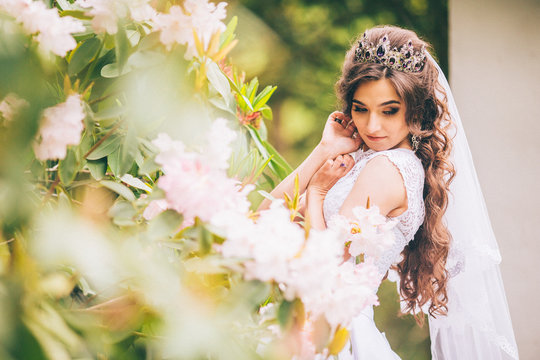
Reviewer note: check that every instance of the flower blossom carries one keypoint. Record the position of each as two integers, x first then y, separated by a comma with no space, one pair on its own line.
197,15
61,125
369,232
312,269
53,32
196,184
11,105
106,13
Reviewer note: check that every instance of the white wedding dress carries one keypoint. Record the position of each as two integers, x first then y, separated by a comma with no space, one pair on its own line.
366,342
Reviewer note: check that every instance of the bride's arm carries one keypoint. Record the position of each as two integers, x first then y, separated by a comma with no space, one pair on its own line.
322,181
382,183
379,180
336,139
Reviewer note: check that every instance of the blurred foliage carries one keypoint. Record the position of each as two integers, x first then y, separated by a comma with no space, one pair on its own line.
303,54
305,51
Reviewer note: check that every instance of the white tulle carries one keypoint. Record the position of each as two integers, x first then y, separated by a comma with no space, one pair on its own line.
478,324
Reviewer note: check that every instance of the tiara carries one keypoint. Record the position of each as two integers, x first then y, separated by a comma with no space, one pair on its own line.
405,59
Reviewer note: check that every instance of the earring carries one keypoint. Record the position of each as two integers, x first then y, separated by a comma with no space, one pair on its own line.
415,140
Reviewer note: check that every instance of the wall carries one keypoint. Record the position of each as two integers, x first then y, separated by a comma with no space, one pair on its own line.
495,76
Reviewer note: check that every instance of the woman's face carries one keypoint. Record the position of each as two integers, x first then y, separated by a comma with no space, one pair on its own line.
379,115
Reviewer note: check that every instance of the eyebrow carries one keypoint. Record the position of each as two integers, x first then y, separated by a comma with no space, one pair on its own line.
383,104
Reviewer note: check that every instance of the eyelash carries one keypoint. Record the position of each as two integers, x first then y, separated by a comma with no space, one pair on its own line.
390,112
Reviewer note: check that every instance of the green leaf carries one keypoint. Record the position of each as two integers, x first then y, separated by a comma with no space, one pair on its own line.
77,14
97,168
121,160
205,240
113,70
123,213
220,82
135,182
263,97
164,224
266,112
252,89
278,165
118,188
83,55
149,166
64,4
67,168
108,146
133,36
284,312
121,43
113,112
277,158
228,35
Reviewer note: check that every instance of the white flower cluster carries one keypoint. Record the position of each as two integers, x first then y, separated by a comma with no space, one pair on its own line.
197,15
196,184
53,32
106,13
61,125
370,233
310,269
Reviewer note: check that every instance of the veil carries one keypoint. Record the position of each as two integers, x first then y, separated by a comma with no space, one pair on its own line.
478,324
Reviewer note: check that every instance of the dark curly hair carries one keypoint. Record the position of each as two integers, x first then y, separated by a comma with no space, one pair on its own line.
422,268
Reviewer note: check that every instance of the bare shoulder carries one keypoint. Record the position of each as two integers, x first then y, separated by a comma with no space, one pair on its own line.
382,182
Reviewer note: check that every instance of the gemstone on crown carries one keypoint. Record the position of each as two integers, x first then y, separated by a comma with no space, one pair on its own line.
405,59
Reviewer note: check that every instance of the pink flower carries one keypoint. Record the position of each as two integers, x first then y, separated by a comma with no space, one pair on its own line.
52,31
196,184
106,13
155,208
369,232
61,126
11,105
198,15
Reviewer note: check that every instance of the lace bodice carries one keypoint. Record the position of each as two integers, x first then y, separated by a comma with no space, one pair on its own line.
412,172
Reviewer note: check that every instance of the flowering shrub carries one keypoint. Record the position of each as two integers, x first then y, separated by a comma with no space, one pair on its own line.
131,151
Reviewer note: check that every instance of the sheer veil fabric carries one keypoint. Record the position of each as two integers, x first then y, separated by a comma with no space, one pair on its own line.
478,324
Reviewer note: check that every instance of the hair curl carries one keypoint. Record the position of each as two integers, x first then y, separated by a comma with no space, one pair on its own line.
422,269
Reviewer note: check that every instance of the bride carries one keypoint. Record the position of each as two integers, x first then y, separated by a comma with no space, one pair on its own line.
399,142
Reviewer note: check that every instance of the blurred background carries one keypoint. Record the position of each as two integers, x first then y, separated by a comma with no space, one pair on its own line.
299,45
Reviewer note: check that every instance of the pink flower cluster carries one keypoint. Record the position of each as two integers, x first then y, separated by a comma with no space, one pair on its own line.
106,13
61,125
196,15
312,269
10,106
196,184
369,232
52,31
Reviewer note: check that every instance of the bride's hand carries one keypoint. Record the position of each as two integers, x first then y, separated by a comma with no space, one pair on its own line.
340,135
329,173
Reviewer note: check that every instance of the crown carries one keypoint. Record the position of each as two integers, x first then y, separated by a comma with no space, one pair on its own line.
405,59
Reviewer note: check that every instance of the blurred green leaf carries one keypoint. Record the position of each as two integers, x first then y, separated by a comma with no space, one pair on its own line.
164,225
67,168
220,83
97,168
83,55
228,35
123,213
118,188
108,146
121,42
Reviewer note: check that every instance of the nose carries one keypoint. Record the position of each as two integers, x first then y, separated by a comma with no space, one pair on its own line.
374,124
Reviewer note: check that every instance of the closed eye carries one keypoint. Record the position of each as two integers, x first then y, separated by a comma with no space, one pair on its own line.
392,111
359,109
